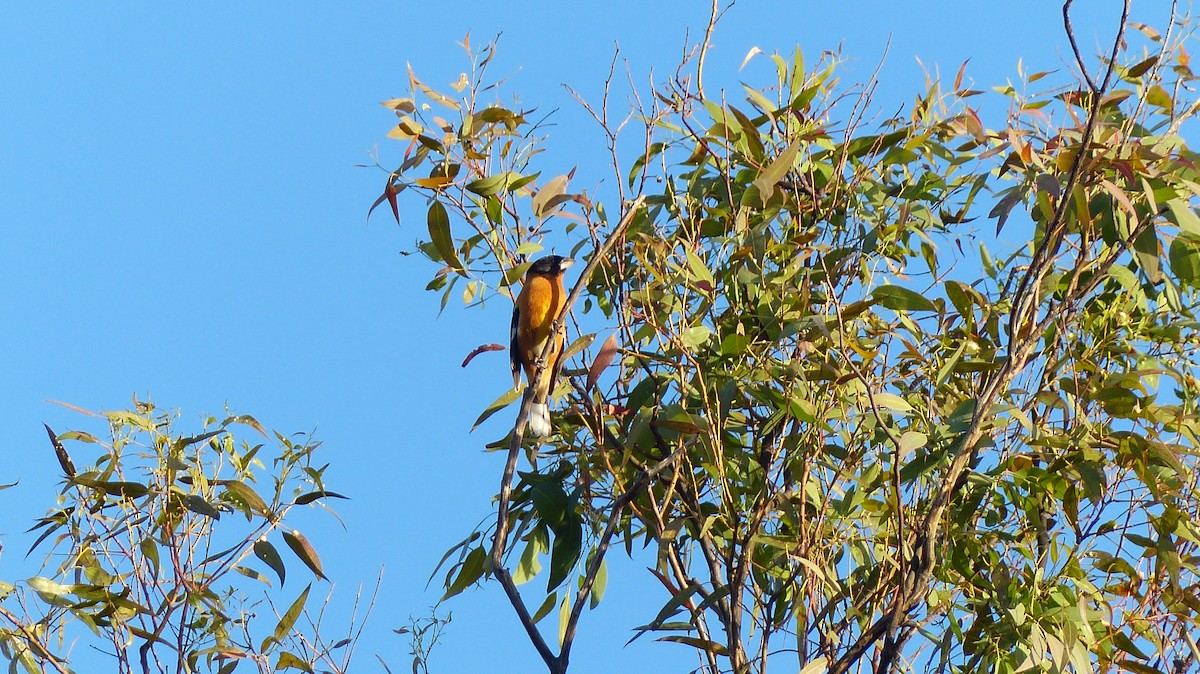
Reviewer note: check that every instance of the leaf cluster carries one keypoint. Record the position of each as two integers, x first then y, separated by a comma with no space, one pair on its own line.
151,548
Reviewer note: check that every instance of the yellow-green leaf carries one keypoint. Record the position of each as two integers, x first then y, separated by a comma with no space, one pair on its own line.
498,404
244,493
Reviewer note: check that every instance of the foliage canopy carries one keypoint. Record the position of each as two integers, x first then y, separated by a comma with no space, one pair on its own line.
917,393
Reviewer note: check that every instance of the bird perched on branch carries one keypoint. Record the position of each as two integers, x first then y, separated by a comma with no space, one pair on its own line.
542,299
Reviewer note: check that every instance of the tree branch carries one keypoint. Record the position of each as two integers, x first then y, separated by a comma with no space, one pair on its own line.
556,664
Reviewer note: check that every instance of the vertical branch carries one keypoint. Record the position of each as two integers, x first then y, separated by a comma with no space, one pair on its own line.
556,664
713,15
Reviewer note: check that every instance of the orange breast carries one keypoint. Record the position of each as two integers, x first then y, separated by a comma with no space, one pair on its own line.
543,301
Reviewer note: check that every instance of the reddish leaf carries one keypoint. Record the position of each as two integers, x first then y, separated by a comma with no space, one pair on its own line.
480,349
304,551
603,359
959,78
389,194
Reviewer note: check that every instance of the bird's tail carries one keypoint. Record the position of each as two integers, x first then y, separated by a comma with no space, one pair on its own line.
539,420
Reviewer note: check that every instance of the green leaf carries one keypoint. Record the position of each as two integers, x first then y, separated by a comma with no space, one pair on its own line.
550,501
529,248
1146,251
963,297
30,663
244,493
454,548
1185,216
899,298
1137,667
911,441
599,585
486,187
292,661
198,505
284,627
247,420
564,613
815,666
251,573
471,571
1117,401
270,556
668,610
544,609
304,551
529,566
131,490
305,499
548,198
493,210
696,642
439,235
695,336
1158,97
564,553
891,401
1185,259
1123,642
47,586
508,398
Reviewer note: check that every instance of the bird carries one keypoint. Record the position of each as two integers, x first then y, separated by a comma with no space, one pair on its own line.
539,304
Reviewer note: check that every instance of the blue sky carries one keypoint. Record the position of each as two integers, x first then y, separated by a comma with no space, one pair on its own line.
183,220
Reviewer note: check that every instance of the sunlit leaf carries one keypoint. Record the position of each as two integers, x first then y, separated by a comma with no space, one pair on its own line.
490,185
696,642
246,494
899,298
289,660
776,170
599,585
507,398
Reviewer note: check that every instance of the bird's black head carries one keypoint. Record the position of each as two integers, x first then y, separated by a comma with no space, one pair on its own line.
551,265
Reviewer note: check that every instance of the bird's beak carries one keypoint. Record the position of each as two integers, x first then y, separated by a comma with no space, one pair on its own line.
566,262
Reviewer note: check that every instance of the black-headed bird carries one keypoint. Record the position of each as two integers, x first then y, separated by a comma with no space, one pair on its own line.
542,299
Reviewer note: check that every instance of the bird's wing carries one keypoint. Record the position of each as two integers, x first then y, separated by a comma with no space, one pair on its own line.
514,348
